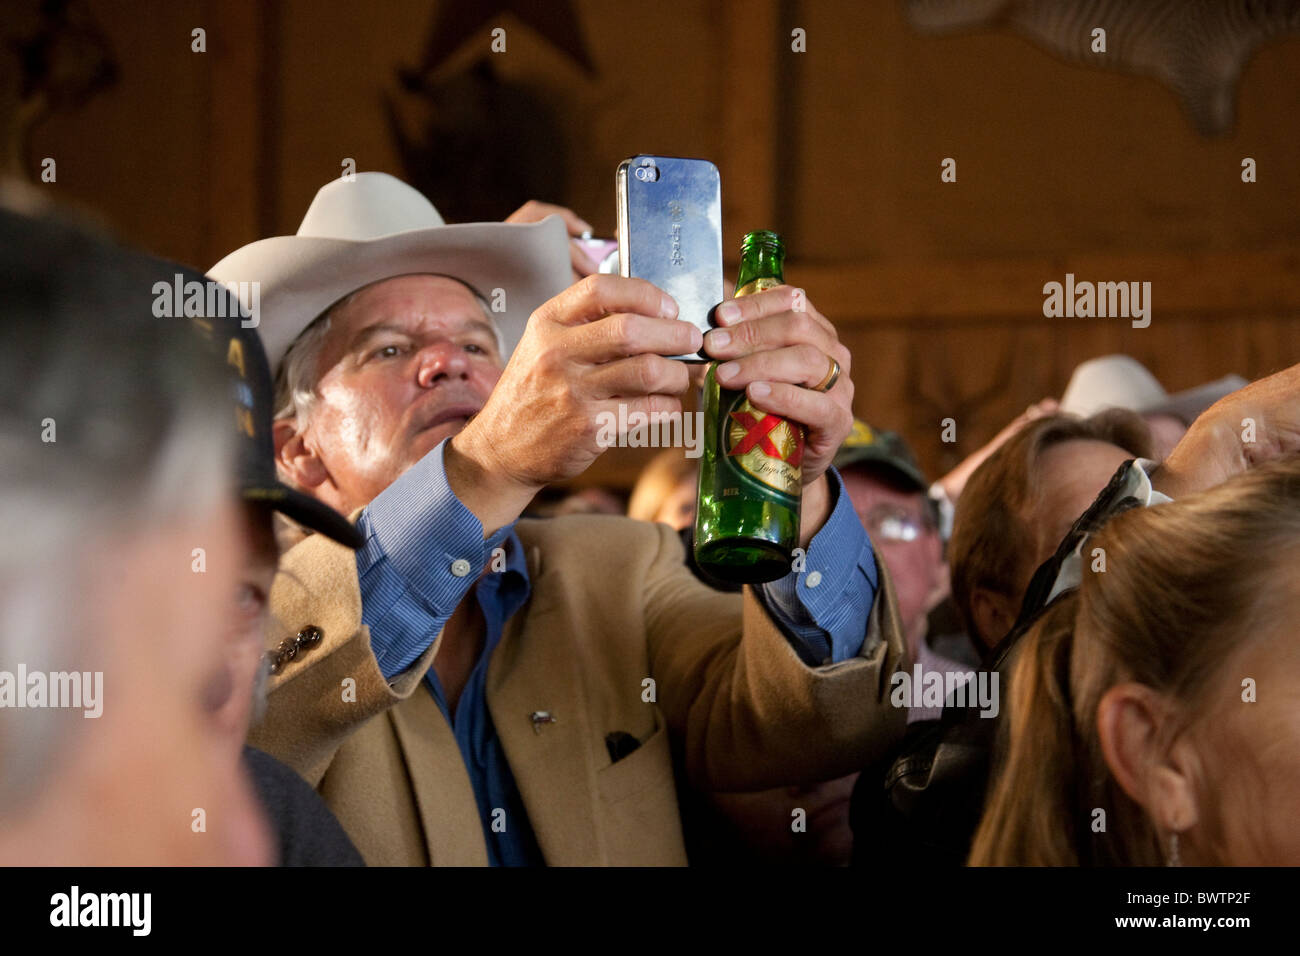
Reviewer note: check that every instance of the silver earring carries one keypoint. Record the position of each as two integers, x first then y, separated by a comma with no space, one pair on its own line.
1173,851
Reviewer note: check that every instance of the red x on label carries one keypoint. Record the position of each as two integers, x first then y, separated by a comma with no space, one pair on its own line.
756,432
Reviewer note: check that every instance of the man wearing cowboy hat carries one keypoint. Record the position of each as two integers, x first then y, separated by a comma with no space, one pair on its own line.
1121,381
432,379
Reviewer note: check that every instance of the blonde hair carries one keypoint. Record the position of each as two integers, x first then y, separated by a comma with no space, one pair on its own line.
1184,588
657,481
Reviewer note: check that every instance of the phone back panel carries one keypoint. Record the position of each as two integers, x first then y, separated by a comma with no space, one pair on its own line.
670,231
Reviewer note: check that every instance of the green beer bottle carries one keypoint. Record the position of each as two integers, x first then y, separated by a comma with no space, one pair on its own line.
747,507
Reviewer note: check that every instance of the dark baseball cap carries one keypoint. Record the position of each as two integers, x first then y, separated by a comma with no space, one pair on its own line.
215,312
880,449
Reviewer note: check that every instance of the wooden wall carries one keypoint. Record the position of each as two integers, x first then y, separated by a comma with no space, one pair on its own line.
936,287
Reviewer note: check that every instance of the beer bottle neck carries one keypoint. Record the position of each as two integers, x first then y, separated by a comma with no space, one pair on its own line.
761,258
760,267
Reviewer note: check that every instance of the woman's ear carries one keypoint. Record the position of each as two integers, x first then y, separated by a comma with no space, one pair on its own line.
294,456
1133,727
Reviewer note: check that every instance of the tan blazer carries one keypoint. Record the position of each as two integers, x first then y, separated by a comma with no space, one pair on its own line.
612,604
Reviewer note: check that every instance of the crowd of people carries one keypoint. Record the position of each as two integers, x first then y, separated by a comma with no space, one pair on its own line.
287,581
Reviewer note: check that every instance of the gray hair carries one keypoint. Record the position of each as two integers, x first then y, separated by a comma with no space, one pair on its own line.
299,371
112,424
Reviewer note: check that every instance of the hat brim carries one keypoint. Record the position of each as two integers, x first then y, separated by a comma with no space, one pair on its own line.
870,456
1189,404
305,510
299,277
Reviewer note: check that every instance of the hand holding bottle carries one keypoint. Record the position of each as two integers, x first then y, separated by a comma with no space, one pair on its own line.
778,347
760,495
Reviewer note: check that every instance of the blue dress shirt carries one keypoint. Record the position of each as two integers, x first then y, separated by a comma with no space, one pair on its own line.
424,550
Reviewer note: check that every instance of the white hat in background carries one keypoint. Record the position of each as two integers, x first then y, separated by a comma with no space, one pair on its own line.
377,227
1119,381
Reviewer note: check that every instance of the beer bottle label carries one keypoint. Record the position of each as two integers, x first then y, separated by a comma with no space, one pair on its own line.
761,284
764,451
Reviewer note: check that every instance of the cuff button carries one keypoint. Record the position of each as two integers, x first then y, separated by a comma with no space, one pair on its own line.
460,567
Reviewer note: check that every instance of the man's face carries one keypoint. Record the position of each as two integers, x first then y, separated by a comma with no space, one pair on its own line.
247,621
151,780
903,533
404,365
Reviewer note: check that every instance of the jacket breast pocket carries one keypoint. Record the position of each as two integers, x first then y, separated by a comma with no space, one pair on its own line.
648,766
639,820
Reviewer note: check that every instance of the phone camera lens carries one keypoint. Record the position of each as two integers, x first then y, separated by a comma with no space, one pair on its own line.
647,173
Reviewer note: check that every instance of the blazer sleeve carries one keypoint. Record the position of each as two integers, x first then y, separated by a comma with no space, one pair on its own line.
332,685
748,712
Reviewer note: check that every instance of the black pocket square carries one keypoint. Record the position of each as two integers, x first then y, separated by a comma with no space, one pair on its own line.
620,744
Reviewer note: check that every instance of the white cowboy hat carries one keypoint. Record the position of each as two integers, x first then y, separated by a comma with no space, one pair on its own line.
377,227
1120,381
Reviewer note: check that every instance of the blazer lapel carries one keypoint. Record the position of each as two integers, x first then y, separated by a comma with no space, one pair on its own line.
539,709
453,831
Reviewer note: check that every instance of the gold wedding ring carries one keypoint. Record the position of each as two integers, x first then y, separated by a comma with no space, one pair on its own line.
833,376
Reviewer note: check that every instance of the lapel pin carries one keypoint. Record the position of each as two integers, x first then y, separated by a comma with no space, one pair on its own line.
540,717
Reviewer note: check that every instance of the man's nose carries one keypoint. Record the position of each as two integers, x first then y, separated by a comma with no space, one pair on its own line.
440,361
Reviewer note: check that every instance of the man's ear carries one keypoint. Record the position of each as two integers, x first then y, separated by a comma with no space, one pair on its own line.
295,458
993,615
1131,725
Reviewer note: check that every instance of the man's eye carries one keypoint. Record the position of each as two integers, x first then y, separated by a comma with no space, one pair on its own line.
250,599
387,351
897,528
475,349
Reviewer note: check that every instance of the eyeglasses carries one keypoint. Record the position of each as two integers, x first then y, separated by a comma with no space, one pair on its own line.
887,522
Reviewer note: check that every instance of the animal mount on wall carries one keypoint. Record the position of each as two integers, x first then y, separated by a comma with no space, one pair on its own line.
477,143
473,137
1197,48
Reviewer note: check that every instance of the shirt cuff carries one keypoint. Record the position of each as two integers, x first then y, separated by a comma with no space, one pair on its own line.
421,544
824,604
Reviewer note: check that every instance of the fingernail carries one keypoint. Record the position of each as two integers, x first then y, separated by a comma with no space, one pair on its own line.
759,389
667,307
697,339
719,339
728,370
727,312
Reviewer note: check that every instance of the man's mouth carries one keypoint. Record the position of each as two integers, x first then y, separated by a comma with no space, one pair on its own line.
452,413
